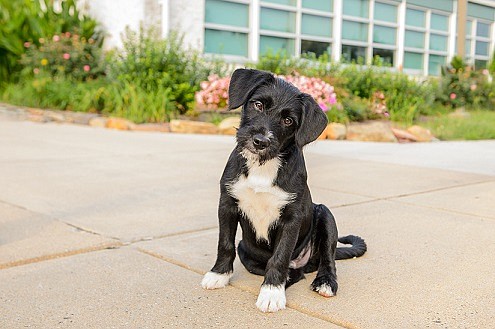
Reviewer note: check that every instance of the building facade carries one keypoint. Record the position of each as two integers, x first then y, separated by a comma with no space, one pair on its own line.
416,36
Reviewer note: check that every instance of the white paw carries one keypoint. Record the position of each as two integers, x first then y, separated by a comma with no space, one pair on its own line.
325,290
271,298
213,280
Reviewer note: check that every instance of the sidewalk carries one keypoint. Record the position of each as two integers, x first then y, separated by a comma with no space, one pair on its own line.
104,229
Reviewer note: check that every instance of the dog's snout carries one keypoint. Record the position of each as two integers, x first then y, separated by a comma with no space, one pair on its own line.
261,141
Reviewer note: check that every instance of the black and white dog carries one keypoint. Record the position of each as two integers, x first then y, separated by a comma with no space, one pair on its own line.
263,187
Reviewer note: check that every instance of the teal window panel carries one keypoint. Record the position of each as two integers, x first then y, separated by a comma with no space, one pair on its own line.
358,8
480,64
316,25
226,43
481,48
439,22
467,48
435,64
385,35
323,5
385,12
480,11
215,13
277,20
415,17
483,30
354,31
469,28
414,39
386,56
283,2
444,5
353,54
413,61
438,42
316,47
276,44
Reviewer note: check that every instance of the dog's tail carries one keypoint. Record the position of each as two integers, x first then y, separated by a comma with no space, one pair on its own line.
357,250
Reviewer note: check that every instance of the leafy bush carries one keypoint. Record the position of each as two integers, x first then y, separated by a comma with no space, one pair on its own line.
66,54
158,65
34,21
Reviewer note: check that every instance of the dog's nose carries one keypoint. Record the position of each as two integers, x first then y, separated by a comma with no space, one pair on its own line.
260,141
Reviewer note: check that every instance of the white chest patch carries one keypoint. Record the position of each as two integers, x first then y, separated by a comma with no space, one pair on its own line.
259,199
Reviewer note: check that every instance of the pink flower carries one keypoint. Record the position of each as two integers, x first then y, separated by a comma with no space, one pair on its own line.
66,56
86,68
36,70
41,40
27,44
453,96
56,38
67,34
485,72
323,107
473,87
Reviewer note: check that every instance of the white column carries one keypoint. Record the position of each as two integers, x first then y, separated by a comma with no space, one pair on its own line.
254,30
401,35
337,30
453,34
165,17
297,40
369,48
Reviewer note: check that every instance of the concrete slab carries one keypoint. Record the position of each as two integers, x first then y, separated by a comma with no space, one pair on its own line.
424,267
476,199
27,237
125,288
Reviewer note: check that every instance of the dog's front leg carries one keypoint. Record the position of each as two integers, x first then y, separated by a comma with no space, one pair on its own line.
228,216
272,292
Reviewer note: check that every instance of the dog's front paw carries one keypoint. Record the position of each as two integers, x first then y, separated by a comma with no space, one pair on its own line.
213,280
271,298
325,286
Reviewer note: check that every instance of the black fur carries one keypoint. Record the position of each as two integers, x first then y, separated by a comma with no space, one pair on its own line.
265,133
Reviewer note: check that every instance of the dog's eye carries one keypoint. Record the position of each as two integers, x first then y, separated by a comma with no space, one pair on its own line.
258,105
288,121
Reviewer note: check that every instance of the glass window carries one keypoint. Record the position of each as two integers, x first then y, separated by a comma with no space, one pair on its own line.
439,22
481,48
215,13
276,44
480,64
383,34
385,12
469,28
386,56
467,47
354,31
358,8
435,64
315,47
316,25
414,39
323,5
353,54
483,30
277,20
283,2
413,61
415,17
438,42
226,42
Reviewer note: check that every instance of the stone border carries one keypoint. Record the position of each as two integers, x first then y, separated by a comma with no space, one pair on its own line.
375,131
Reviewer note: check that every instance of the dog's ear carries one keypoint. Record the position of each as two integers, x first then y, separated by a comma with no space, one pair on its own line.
313,121
243,83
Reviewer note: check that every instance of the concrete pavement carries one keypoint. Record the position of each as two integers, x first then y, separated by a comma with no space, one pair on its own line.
103,228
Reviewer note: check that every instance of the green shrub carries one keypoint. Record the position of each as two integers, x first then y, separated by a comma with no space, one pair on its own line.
66,54
34,21
156,65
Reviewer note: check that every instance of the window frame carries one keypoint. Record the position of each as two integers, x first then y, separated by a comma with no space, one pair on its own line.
472,38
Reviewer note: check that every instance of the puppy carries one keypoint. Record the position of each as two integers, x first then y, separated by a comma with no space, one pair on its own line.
263,188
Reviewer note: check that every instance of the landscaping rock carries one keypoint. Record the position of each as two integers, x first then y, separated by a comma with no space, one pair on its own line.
336,131
192,127
55,116
375,131
152,127
228,125
404,136
119,124
323,135
421,134
99,122
38,118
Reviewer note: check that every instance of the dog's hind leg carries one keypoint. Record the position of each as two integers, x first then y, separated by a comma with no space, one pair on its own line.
326,235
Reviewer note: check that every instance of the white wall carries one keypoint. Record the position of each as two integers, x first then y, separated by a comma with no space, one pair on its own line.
187,16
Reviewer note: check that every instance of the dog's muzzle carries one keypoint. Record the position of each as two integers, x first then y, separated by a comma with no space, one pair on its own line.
260,141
